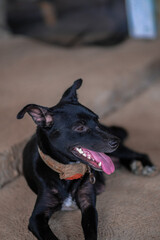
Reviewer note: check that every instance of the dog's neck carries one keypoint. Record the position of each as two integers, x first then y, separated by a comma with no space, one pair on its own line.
66,171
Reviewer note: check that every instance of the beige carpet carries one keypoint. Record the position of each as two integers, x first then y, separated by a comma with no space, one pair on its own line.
128,210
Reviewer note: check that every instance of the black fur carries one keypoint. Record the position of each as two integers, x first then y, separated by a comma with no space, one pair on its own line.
59,129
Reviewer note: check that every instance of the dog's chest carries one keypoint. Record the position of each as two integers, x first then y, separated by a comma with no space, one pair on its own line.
69,204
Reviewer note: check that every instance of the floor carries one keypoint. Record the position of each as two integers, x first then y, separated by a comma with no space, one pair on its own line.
122,85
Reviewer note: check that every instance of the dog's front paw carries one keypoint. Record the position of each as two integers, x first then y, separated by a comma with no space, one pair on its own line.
138,169
149,171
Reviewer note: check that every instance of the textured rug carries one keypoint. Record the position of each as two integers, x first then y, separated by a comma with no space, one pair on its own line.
128,209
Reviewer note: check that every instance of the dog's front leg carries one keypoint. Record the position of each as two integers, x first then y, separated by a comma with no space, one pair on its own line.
45,206
86,201
90,222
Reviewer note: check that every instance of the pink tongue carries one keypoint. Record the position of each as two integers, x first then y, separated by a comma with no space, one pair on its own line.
107,164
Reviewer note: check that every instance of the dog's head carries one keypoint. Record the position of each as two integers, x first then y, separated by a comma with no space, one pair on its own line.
71,132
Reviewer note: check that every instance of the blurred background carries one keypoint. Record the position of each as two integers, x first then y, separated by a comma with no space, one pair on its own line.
70,23
114,46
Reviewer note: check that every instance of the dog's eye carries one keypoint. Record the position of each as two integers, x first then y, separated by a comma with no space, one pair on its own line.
80,128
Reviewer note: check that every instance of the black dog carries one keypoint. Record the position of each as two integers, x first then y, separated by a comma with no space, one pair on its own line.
65,160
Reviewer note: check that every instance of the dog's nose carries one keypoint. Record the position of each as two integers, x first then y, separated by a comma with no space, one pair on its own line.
114,142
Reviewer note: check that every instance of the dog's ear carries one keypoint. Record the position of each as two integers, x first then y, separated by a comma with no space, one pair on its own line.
70,94
42,116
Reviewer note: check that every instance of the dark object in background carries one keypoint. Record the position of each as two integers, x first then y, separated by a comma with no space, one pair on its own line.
70,22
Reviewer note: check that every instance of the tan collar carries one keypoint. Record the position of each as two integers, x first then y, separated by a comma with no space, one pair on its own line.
66,171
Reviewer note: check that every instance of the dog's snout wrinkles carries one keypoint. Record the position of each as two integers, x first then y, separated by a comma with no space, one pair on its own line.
114,142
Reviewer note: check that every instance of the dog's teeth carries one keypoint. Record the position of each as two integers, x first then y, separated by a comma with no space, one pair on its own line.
89,157
84,154
80,150
99,164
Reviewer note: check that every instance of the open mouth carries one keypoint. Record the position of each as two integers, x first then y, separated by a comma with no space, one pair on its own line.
99,161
